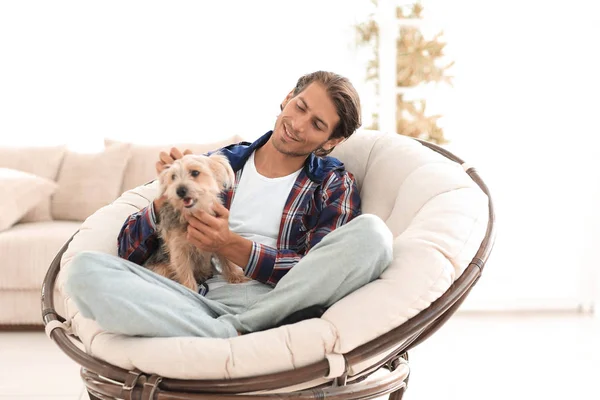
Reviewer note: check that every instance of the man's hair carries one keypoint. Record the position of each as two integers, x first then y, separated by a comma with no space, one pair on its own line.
345,99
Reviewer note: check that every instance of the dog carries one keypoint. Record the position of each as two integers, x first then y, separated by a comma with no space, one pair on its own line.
193,182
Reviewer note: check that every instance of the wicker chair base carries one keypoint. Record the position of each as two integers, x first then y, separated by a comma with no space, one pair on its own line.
144,387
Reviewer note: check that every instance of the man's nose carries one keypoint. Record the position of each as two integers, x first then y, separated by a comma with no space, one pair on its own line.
300,123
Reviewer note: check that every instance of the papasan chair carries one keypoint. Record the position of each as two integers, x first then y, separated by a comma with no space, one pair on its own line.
442,219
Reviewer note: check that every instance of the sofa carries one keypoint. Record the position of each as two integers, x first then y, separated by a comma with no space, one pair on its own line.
46,194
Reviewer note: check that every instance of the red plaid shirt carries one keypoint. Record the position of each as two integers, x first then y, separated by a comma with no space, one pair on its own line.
323,198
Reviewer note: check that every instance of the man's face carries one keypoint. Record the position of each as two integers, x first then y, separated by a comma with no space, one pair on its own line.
306,122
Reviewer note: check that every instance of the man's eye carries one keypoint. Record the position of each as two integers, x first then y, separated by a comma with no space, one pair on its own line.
195,173
317,126
299,108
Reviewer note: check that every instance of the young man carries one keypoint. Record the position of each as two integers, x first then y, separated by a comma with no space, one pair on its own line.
292,222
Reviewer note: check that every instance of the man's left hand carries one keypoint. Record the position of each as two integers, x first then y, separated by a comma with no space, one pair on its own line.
207,232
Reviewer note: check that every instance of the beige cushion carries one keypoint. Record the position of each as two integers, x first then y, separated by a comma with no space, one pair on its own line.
88,181
21,191
41,161
27,250
141,166
438,217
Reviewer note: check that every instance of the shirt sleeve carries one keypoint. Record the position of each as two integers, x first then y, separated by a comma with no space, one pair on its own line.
138,239
340,204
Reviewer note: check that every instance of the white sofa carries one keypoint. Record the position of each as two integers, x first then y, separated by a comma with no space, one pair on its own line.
45,195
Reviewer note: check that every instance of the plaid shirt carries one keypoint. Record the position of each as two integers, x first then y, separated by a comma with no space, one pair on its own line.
323,198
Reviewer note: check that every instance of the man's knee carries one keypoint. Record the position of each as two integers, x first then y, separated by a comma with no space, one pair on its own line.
371,236
373,233
81,273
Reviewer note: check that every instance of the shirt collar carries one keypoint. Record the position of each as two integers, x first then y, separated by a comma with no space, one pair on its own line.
315,167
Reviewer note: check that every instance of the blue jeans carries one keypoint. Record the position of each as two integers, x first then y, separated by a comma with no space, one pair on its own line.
126,298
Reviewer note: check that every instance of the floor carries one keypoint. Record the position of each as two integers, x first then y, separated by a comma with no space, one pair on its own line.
474,356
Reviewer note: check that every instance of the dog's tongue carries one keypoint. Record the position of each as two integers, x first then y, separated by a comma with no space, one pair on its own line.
187,201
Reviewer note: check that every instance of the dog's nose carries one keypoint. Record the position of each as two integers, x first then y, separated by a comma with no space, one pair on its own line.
181,191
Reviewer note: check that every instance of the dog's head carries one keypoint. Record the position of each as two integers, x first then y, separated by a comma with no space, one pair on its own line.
195,181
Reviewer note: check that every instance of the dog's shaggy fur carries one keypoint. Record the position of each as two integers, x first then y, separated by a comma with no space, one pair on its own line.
193,182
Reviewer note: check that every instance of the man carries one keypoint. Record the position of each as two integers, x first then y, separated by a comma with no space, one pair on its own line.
292,222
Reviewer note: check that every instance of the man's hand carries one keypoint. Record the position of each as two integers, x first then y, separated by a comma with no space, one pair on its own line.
211,233
207,232
168,158
164,160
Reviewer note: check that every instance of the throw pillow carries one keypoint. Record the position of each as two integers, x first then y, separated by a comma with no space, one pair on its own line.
40,161
21,191
87,182
141,166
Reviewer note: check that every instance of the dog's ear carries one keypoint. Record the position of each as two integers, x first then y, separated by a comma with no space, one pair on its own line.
219,164
163,178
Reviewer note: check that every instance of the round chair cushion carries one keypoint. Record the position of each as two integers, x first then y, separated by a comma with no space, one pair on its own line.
438,217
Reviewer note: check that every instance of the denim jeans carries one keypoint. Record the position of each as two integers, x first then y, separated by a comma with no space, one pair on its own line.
126,298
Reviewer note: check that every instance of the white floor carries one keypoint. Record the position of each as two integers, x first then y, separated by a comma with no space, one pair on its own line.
474,356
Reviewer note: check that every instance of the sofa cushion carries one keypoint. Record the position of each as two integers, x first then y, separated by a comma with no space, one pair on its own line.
41,161
88,181
22,307
28,249
21,191
141,166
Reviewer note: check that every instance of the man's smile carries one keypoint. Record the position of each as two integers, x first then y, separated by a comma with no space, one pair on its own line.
287,134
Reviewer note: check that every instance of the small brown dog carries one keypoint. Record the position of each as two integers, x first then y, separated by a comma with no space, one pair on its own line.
193,182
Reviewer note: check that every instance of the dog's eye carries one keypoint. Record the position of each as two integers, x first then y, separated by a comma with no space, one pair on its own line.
194,173
173,176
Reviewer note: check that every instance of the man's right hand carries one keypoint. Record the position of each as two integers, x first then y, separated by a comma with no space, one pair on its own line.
166,159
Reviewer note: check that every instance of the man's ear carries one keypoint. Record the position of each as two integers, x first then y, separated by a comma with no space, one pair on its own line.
286,100
331,143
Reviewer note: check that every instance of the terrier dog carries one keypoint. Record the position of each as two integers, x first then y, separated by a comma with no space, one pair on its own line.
193,182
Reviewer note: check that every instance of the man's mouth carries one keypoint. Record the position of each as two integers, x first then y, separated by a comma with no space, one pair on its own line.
188,202
287,134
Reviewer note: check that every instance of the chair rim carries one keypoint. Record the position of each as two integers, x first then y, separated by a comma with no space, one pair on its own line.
393,344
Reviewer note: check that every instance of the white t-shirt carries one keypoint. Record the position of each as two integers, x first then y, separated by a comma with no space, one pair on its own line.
257,206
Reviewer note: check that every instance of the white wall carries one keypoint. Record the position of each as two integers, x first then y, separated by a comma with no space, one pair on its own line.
524,111
76,72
